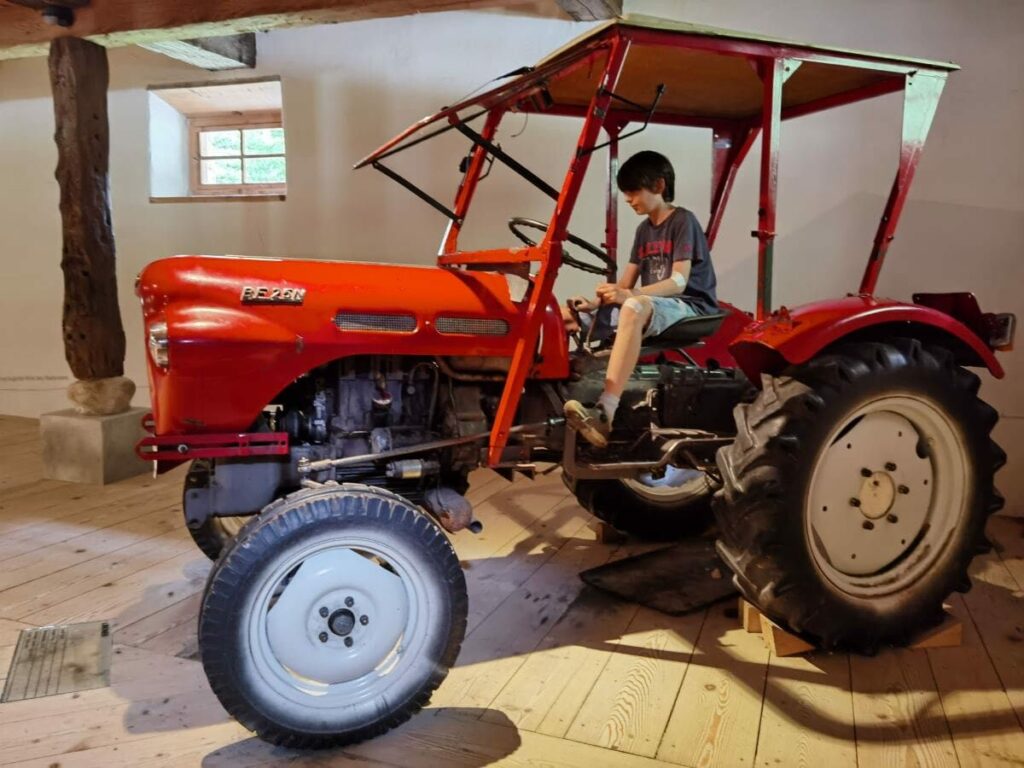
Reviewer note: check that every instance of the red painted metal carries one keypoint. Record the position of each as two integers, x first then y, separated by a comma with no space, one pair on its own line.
795,336
467,187
729,147
176,448
544,282
495,256
771,72
921,98
611,211
228,360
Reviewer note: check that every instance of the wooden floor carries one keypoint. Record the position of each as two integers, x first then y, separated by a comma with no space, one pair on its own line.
550,673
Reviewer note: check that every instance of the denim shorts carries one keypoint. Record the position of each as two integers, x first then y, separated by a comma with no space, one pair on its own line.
667,311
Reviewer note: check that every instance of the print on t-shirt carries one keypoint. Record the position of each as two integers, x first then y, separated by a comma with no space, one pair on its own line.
677,238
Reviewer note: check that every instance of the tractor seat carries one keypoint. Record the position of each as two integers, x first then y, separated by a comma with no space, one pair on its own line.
684,333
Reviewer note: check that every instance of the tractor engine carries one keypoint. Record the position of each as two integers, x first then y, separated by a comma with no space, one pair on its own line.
356,407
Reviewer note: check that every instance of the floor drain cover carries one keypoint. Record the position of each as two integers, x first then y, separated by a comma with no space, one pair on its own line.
60,659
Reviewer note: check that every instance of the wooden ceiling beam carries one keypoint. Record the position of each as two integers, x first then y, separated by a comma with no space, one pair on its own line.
210,53
591,10
114,23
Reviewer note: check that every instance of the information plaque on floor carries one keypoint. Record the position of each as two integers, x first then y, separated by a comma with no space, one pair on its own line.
59,659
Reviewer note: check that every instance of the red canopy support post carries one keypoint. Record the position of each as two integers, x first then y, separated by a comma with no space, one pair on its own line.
551,249
611,216
464,195
729,147
772,75
921,94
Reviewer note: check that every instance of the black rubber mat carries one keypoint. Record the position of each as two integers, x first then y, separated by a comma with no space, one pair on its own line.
678,579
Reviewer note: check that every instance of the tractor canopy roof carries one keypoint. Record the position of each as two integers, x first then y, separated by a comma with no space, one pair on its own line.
710,75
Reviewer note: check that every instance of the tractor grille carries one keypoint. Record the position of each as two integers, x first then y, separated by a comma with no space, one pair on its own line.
474,326
367,321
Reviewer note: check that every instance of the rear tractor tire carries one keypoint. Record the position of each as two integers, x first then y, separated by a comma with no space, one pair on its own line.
332,617
857,491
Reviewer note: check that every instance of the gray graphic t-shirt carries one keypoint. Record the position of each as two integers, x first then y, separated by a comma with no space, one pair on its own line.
678,238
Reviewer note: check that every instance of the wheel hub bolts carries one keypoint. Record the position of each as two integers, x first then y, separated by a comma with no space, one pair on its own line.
364,620
865,472
854,502
868,525
903,489
348,642
323,637
349,602
324,612
890,467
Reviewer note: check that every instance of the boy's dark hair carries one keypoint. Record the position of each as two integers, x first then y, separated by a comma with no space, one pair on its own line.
643,170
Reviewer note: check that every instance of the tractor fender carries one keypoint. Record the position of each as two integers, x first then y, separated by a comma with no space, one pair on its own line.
791,337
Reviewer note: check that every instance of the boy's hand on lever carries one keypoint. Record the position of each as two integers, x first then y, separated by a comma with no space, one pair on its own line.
582,304
610,293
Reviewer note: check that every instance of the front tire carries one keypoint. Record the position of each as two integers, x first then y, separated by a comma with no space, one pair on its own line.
333,617
856,492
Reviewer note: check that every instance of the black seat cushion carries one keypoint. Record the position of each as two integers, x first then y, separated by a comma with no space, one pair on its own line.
685,332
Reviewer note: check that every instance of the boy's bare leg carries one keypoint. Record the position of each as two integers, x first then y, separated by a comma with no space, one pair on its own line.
594,424
633,319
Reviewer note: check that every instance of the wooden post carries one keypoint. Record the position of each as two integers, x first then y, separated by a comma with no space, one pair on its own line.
94,343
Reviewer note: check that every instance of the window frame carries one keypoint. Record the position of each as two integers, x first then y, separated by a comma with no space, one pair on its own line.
226,122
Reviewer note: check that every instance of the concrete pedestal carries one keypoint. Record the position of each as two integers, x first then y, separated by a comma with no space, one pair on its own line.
92,449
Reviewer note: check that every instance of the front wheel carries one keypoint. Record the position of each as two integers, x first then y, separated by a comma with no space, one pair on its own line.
856,493
663,508
333,618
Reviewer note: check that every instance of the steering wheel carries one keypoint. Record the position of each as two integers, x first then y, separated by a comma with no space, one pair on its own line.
594,269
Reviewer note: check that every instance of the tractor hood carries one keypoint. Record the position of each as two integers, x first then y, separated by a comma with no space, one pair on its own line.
227,334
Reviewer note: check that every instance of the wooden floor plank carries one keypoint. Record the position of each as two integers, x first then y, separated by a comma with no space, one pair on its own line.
720,697
807,717
493,652
102,543
897,711
978,711
630,704
547,691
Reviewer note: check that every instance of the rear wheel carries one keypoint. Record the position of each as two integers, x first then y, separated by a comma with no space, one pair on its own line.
333,617
856,493
658,509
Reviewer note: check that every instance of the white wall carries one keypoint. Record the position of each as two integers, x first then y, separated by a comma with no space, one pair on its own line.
349,87
168,156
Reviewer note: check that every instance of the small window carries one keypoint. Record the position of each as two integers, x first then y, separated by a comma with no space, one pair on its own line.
237,156
220,141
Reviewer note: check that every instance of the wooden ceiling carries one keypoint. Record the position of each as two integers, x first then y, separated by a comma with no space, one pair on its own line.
23,32
210,99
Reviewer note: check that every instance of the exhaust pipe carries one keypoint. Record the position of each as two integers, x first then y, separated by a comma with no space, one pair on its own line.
452,510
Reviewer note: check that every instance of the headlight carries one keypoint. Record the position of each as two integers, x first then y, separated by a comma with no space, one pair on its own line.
158,344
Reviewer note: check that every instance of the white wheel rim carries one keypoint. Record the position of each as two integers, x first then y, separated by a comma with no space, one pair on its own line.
358,576
677,485
879,515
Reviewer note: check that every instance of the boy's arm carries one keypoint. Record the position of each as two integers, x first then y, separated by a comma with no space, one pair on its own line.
629,276
672,286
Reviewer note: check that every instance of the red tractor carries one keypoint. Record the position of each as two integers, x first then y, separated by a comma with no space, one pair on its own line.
332,412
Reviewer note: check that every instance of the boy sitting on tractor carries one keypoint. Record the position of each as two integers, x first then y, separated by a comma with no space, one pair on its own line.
670,256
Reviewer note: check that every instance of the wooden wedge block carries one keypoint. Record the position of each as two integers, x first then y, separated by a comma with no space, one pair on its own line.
750,616
606,534
948,634
779,641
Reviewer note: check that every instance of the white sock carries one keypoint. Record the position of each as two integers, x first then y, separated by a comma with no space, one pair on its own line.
610,404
